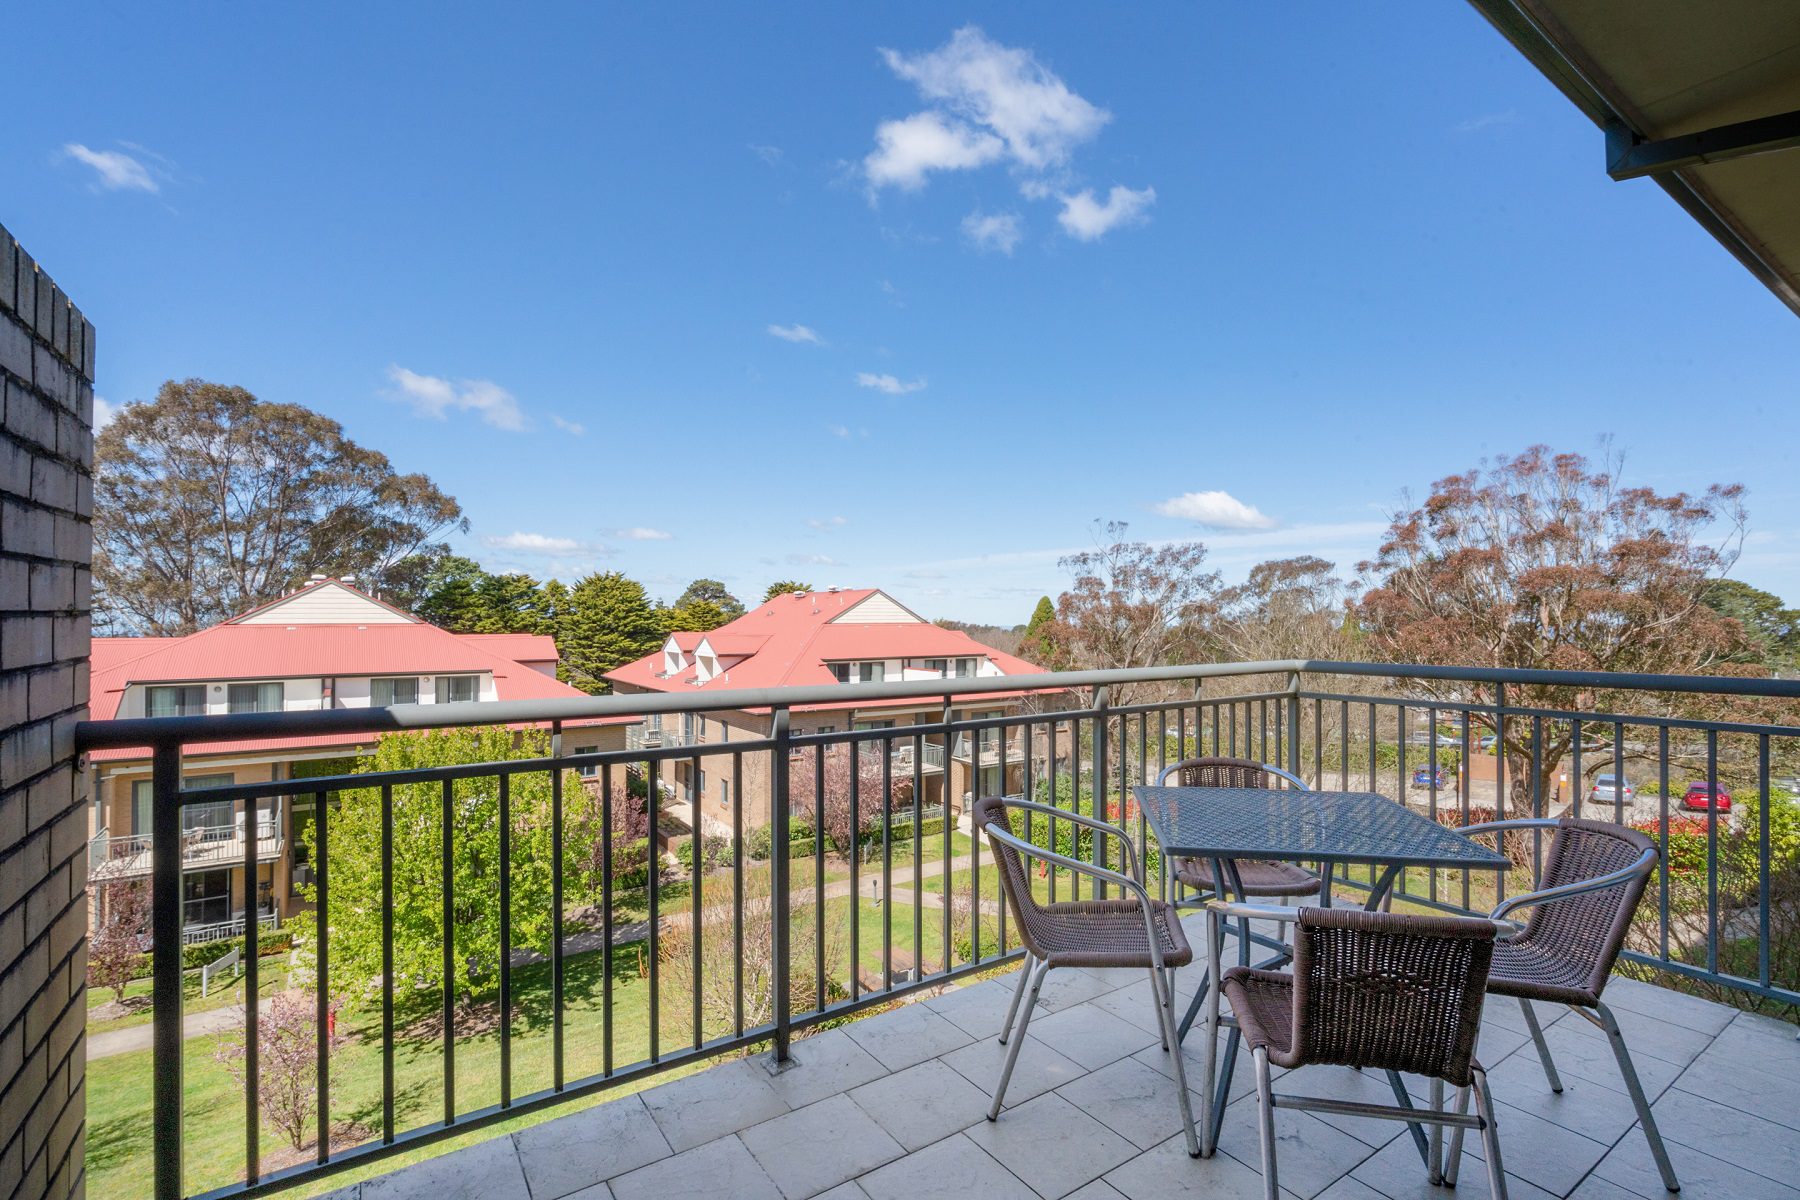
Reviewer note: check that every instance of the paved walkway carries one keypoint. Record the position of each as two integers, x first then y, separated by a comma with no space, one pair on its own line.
138,1037
892,1107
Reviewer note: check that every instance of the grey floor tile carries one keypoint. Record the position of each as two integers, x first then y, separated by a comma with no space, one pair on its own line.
1349,1189
845,1191
576,1151
1051,1145
488,1170
1090,1035
1131,1099
977,1009
1040,1069
910,1034
1648,1037
1666,1004
953,1169
1591,1109
1357,1087
1702,1176
824,1065
922,1104
1596,1188
1727,1133
1165,1172
712,1103
820,1146
707,1172
1397,1172
1066,986
1589,1054
1097,1190
1540,1151
1310,1155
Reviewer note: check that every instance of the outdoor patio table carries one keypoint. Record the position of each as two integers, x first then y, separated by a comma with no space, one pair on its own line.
1290,825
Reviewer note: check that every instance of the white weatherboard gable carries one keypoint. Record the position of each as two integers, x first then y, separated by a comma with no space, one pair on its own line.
878,608
328,603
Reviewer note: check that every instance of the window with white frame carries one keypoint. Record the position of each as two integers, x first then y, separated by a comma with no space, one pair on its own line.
402,689
458,689
587,770
254,697
186,700
871,672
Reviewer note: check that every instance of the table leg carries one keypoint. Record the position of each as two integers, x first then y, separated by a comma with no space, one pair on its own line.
1382,887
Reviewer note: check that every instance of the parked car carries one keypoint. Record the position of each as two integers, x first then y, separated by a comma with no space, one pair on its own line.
1611,789
1425,777
1700,797
1487,742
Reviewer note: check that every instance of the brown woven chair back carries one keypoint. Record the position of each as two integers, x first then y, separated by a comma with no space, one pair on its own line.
1590,928
1389,991
1015,878
1219,772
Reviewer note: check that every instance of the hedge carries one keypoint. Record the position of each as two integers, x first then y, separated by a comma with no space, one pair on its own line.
195,955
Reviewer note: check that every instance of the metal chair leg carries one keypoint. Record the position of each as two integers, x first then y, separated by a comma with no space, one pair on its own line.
1456,1139
1018,994
1163,984
1435,1170
1012,1051
1490,1136
1543,1047
1638,1099
1265,1108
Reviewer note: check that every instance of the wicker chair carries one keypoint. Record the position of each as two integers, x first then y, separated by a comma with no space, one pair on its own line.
1258,878
1134,931
1593,879
1368,989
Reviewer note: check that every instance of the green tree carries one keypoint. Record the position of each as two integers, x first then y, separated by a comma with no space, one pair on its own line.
697,616
354,863
1772,626
444,593
711,591
610,622
509,604
782,587
1036,644
208,502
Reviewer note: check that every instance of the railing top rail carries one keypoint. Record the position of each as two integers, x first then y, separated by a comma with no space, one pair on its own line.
149,731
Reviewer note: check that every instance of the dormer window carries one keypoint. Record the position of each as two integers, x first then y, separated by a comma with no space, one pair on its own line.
188,700
841,670
397,690
255,697
458,689
965,667
937,665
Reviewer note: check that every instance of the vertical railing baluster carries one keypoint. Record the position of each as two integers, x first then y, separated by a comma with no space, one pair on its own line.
854,850
1712,850
506,938
887,860
165,967
1762,859
449,998
819,869
944,910
607,900
387,963
1618,750
252,1016
780,905
738,851
1097,799
918,855
697,878
1662,826
1050,801
653,798
322,973
556,911
974,736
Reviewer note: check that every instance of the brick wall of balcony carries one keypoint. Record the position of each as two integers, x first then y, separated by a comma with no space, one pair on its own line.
46,494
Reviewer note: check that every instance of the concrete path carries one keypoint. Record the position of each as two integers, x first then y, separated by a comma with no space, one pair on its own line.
138,1037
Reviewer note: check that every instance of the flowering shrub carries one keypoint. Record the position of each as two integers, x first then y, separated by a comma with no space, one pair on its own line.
1687,841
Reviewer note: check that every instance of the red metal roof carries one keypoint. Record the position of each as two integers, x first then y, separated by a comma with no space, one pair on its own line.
797,634
520,647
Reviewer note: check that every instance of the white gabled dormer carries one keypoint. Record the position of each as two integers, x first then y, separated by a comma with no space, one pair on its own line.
673,659
706,661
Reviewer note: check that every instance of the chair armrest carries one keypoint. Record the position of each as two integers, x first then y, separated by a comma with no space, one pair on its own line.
1255,912
1511,823
1131,860
1298,783
1125,882
1644,864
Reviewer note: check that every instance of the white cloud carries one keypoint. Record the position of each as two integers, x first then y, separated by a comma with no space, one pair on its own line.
116,171
539,543
813,560
640,533
573,428
104,412
1216,510
432,396
888,384
827,522
797,333
1086,219
992,231
906,150
842,431
995,94
1487,121
771,155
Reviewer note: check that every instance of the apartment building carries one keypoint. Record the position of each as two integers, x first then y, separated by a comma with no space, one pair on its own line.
848,637
327,645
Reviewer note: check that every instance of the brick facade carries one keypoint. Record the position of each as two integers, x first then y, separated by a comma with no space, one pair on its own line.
46,497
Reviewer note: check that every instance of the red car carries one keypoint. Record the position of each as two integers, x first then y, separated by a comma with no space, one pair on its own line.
1700,797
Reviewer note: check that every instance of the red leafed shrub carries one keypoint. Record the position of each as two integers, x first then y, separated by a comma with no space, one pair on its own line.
1687,841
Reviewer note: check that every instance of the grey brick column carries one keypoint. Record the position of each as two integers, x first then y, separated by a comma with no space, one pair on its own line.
46,545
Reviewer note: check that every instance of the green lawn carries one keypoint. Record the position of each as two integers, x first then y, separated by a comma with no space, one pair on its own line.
271,978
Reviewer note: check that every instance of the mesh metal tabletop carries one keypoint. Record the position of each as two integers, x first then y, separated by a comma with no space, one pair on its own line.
1297,826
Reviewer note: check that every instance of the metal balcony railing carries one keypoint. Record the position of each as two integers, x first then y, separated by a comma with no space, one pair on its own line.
767,932
114,857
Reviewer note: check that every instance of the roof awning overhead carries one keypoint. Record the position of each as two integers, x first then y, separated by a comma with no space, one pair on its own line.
1704,98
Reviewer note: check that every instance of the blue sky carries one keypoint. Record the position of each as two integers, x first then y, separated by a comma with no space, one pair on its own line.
1035,267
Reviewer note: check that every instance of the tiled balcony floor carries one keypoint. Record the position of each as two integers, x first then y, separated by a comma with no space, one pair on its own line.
892,1108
